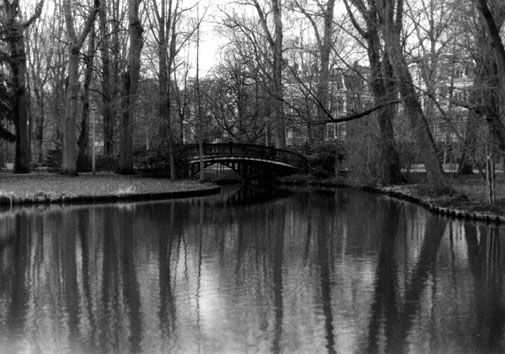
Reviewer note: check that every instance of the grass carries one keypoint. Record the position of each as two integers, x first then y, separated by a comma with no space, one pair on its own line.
54,187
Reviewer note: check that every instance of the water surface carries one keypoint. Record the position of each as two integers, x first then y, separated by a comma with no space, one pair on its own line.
276,271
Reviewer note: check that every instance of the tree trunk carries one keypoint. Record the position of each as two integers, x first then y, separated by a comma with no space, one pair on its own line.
384,90
278,105
391,33
390,161
418,122
83,141
324,73
107,95
39,126
130,80
493,30
69,160
21,109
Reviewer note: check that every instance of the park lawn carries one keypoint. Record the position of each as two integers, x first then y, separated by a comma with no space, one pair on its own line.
46,187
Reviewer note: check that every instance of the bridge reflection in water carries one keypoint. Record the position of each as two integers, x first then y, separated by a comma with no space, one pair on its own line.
298,271
250,161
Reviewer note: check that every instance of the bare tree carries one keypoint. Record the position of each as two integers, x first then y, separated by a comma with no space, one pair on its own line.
69,162
164,24
130,86
14,33
107,90
41,48
83,141
275,42
324,43
496,44
383,88
390,17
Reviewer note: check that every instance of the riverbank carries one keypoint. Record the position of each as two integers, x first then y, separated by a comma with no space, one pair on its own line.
466,197
87,188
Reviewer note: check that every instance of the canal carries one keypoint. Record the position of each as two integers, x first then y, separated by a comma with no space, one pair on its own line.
250,271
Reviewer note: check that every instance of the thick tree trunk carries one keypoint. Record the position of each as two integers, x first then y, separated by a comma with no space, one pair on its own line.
418,122
21,109
107,95
413,109
13,33
131,79
384,90
493,30
69,160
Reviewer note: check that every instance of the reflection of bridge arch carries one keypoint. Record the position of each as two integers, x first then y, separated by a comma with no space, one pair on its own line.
248,160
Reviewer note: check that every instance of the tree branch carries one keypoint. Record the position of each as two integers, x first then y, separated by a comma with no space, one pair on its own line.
357,115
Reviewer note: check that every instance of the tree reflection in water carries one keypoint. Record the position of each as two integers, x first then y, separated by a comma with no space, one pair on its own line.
250,270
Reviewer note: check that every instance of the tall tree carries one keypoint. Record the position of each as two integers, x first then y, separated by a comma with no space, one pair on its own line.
107,90
324,43
69,162
41,48
275,42
496,44
390,17
83,141
484,98
164,23
383,88
130,86
13,28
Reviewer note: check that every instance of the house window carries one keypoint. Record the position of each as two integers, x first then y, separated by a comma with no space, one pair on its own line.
336,131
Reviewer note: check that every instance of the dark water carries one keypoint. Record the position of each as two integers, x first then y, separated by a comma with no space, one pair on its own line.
328,271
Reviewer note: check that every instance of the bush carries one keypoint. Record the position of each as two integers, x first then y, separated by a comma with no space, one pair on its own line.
53,160
157,162
322,159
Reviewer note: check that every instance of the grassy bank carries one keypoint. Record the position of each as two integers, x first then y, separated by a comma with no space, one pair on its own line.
465,197
50,188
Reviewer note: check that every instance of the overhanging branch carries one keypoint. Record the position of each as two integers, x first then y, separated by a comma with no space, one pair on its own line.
357,115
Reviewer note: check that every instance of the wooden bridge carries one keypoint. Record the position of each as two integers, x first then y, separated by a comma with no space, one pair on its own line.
248,160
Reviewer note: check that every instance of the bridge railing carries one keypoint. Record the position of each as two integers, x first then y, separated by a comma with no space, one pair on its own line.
248,151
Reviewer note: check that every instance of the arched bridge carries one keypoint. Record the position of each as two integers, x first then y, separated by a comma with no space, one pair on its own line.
249,160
